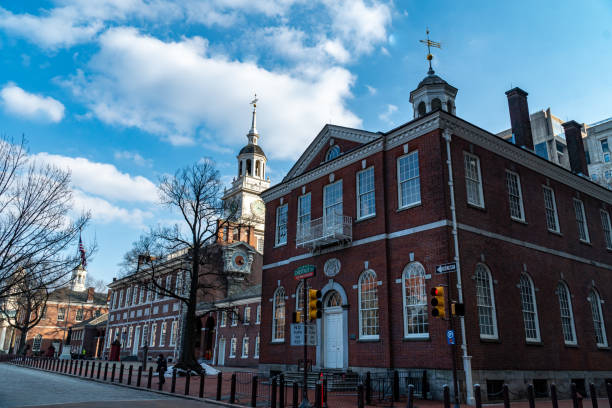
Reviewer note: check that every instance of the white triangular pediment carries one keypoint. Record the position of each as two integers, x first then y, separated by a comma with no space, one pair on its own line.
322,142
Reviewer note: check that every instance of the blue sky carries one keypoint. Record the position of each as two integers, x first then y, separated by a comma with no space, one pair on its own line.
122,91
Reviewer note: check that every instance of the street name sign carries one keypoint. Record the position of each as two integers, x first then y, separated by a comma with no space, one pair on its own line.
304,271
446,268
297,334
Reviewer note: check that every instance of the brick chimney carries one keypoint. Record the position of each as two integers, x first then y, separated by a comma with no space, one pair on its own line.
519,118
90,295
575,147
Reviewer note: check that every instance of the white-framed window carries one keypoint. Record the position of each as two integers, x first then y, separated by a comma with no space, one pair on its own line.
162,334
368,306
550,204
123,334
121,298
79,315
178,287
581,221
473,180
247,314
61,314
128,296
168,286
223,319
281,225
415,301
278,318
234,318
173,332
607,230
245,347
530,308
408,180
36,343
135,295
130,334
598,322
258,315
304,205
145,334
299,296
153,334
260,244
332,153
151,292
158,294
232,353
515,196
256,352
113,302
366,200
566,313
485,301
332,204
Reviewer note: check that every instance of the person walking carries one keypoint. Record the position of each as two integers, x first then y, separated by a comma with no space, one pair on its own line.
162,366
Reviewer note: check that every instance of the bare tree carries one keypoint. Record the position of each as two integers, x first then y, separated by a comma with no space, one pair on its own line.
192,247
36,229
98,284
24,310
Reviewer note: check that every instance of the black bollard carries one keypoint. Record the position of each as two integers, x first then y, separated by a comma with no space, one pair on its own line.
150,377
317,401
121,373
81,369
593,395
368,388
281,391
99,369
530,396
105,371
577,404
410,400
254,391
233,389
395,386
273,394
477,396
324,391
219,385
173,385
187,382
202,379
86,368
446,393
130,371
506,396
553,396
139,376
113,372
360,403
295,395
609,391
70,370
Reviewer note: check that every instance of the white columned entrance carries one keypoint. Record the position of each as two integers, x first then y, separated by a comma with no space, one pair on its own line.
332,347
221,352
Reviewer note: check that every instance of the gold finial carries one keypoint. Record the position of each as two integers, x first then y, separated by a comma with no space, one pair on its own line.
429,45
254,102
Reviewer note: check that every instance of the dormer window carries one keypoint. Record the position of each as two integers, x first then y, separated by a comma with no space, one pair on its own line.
332,153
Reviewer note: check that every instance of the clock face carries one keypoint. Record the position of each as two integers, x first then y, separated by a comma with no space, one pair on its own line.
331,267
239,260
258,208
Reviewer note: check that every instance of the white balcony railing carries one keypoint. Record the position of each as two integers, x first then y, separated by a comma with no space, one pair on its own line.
324,231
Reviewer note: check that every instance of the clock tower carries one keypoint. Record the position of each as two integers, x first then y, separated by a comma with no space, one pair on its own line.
251,180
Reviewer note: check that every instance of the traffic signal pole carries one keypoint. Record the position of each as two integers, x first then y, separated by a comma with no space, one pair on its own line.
305,403
451,325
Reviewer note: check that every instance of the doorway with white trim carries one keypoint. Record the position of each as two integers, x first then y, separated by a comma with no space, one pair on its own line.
333,331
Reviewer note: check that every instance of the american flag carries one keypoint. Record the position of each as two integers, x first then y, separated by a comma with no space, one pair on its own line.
82,251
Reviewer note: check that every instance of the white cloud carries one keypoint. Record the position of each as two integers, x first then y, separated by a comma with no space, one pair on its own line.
104,212
33,106
103,179
133,157
371,90
174,89
386,115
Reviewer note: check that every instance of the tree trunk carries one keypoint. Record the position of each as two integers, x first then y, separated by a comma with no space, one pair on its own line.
187,358
22,341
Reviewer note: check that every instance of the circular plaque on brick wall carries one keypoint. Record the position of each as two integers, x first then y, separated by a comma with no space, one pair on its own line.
331,267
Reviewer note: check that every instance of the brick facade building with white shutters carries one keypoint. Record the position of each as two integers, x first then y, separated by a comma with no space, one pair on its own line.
375,214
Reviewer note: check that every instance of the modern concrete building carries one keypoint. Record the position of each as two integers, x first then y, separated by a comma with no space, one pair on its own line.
598,144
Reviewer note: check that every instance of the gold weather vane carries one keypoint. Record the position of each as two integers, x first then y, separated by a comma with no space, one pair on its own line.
254,102
429,45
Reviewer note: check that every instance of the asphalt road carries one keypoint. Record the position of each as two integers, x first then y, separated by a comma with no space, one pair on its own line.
21,387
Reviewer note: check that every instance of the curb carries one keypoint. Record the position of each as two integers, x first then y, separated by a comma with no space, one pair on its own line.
166,393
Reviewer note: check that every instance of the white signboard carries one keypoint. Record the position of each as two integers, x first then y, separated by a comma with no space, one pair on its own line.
297,334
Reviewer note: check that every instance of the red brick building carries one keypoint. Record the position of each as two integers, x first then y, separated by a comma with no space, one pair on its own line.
376,213
87,338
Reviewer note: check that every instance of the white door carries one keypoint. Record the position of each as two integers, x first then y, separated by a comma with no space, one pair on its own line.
334,349
221,360
136,341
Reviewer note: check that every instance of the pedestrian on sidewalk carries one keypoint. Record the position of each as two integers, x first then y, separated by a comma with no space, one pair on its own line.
162,366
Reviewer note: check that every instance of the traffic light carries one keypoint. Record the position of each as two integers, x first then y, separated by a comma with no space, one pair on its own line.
437,301
314,304
457,309
297,317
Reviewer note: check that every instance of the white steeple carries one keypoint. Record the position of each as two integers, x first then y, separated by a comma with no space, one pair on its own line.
77,282
253,135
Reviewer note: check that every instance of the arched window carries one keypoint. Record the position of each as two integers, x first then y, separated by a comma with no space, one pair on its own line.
567,316
36,343
368,306
249,168
332,153
240,168
529,307
333,299
600,328
436,104
263,170
449,106
485,301
298,295
422,108
257,169
278,320
415,301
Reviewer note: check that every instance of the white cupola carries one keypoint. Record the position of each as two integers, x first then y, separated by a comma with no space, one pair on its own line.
252,159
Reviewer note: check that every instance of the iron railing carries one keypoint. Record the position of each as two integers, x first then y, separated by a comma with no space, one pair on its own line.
332,228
